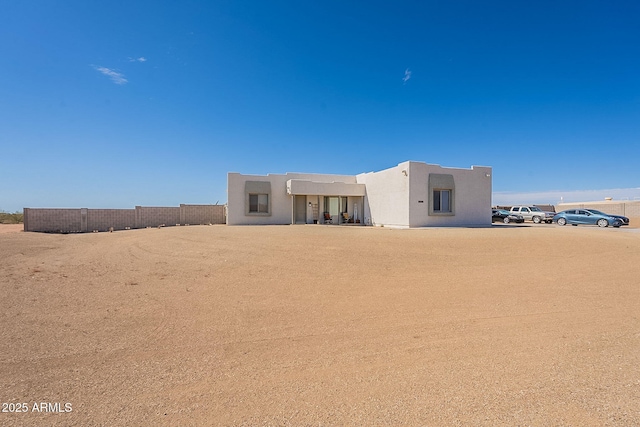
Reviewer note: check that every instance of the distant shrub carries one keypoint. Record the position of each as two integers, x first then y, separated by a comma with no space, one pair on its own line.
11,218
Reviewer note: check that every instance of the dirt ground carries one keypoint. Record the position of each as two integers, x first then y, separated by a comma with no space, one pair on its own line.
11,228
532,325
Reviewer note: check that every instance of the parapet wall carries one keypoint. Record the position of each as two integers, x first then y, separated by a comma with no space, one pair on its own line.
84,220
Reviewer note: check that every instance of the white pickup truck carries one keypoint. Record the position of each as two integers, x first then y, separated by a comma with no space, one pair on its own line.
533,213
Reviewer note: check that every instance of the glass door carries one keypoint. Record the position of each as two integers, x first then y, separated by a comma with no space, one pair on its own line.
332,205
335,206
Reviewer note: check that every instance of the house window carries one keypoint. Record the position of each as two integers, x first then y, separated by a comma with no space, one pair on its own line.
257,198
258,203
441,201
442,194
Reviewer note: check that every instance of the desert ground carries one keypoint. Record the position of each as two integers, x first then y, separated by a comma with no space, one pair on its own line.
512,325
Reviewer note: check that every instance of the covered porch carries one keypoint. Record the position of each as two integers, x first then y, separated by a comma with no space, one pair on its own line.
336,203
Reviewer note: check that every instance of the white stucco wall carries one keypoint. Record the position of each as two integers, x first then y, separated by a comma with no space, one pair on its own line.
392,196
472,196
281,202
387,196
318,188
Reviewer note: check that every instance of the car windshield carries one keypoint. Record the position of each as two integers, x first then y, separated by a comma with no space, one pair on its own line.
596,212
535,209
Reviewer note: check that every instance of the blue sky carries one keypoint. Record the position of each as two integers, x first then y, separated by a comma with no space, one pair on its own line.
117,104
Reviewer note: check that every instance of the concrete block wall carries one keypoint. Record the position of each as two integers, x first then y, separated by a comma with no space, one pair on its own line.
202,214
628,208
52,220
87,220
155,216
632,209
104,219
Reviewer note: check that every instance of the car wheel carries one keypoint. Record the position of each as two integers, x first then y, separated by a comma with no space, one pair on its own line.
536,220
506,220
562,221
549,221
603,223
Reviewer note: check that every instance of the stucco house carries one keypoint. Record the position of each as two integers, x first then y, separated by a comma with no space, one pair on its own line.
411,194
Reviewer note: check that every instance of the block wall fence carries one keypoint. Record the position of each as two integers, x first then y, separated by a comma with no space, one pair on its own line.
84,220
630,208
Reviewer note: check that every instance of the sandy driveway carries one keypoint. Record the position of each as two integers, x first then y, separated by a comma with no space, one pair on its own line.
322,325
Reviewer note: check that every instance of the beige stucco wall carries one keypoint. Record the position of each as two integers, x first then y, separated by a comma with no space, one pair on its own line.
281,202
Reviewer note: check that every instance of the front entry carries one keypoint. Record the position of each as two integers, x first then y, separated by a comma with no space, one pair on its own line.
335,206
300,210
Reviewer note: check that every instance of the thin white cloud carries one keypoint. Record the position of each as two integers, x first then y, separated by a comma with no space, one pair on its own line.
140,59
116,77
407,75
